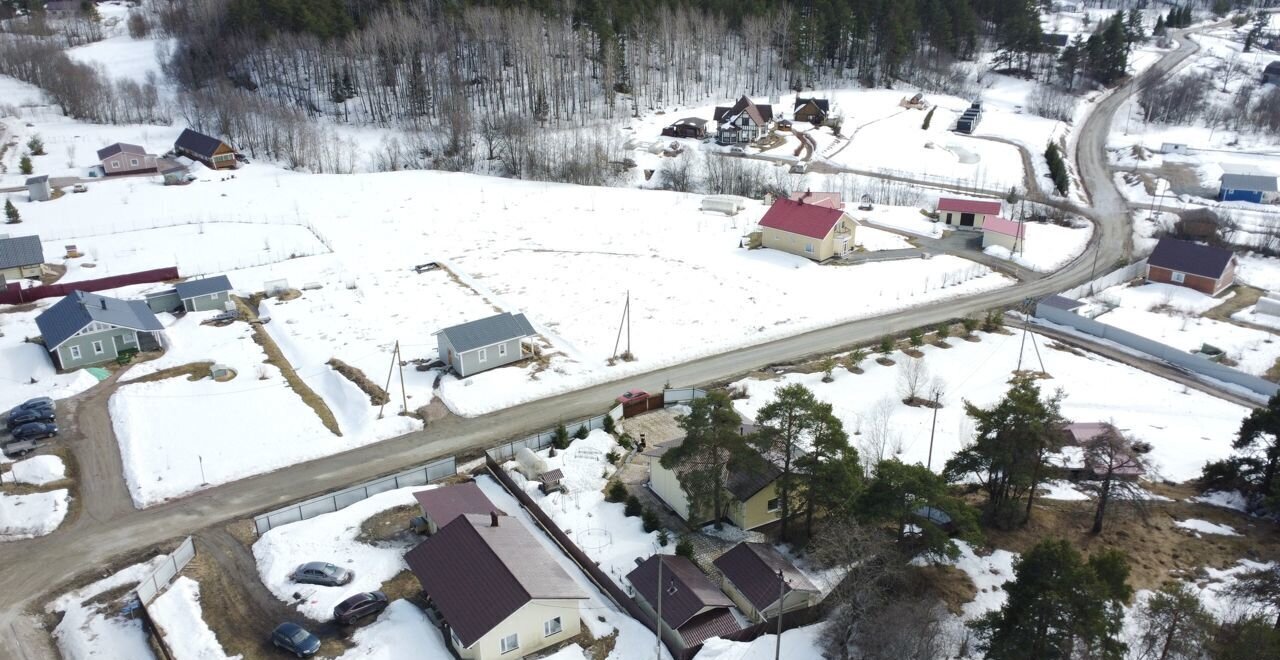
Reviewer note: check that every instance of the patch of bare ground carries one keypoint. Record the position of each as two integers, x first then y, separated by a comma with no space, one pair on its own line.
404,585
1157,549
1059,346
974,338
192,370
885,362
951,585
389,527
596,648
52,273
14,309
377,395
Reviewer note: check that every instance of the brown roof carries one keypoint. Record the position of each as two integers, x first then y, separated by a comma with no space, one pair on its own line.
686,591
761,114
445,503
715,623
753,570
478,574
959,205
742,484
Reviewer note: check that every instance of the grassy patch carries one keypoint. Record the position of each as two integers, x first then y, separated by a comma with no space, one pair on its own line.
950,584
389,526
403,585
192,370
377,395
1245,296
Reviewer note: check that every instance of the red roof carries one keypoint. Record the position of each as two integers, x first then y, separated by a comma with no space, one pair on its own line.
959,205
799,218
1005,226
831,199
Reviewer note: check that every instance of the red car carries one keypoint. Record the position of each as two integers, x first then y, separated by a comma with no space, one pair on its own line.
633,395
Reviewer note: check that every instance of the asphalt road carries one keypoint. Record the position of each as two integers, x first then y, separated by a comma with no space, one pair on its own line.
108,527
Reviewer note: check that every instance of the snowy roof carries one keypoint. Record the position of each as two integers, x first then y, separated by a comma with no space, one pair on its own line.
687,592
829,199
821,104
120,147
488,331
962,205
1061,302
202,287
1273,68
690,121
1005,226
442,505
478,573
71,314
198,143
21,251
1256,182
1185,257
761,114
812,220
753,570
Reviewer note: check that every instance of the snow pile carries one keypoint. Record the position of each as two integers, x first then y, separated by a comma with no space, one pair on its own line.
28,372
801,642
95,630
1227,499
401,626
33,514
178,615
1062,490
1198,527
37,471
331,538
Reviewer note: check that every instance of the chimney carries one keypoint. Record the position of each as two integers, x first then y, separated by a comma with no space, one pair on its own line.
103,302
493,518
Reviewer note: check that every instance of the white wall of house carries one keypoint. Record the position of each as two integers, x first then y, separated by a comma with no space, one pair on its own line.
666,485
530,625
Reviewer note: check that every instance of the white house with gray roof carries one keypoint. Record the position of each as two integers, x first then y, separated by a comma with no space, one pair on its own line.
84,329
21,257
202,295
484,344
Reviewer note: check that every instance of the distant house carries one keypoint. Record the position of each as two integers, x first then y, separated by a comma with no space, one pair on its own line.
211,151
1254,188
38,189
1059,302
743,122
84,329
813,231
497,592
968,214
814,111
828,199
484,344
1008,234
689,127
1071,463
20,258
751,580
121,158
1054,40
1176,148
202,295
440,506
63,7
1271,74
694,609
752,494
1205,268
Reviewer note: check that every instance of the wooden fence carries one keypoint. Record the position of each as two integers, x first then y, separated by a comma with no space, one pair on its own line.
14,294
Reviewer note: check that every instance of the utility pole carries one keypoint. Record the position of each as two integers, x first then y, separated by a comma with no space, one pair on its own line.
657,625
395,353
782,593
404,396
203,481
933,428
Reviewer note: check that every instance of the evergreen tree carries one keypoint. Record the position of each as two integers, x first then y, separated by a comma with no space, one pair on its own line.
1259,443
784,426
11,212
831,471
24,164
1255,33
712,446
1159,30
1069,62
1057,169
899,494
1174,625
1134,31
928,119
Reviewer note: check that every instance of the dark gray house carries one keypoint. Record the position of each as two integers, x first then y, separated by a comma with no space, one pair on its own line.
481,345
214,153
84,329
21,258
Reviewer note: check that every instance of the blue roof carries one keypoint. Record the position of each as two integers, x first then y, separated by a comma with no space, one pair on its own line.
71,314
202,287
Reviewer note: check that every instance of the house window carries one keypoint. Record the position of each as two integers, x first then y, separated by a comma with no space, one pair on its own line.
97,348
775,504
133,162
509,643
115,164
75,352
483,355
502,350
130,340
1178,278
808,247
552,627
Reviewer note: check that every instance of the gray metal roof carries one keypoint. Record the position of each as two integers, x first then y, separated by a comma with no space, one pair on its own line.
71,314
488,331
37,179
202,287
1249,182
113,149
1061,302
21,251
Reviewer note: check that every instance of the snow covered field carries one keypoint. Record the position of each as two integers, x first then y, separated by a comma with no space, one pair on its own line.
1185,427
35,471
1047,247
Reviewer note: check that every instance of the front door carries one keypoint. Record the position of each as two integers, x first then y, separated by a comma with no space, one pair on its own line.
966,219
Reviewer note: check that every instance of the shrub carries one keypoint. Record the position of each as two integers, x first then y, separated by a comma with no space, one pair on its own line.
993,321
684,548
35,145
664,538
650,520
561,439
827,366
855,358
612,456
582,432
633,508
942,332
617,492
886,345
626,442
1057,168
970,324
917,337
11,215
24,165
928,119
608,424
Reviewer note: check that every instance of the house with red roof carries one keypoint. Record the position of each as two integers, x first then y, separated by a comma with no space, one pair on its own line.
832,199
813,231
967,214
1008,234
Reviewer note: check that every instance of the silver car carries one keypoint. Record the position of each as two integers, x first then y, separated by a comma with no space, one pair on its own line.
322,573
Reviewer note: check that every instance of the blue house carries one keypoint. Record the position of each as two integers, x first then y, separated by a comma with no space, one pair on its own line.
1254,188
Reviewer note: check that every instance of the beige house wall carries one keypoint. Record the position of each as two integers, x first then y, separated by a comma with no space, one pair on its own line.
796,244
527,623
21,272
666,485
755,511
952,219
794,600
1005,241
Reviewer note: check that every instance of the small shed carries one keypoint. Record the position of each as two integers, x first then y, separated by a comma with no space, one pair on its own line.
21,257
1174,148
38,189
206,294
1256,188
1003,232
551,481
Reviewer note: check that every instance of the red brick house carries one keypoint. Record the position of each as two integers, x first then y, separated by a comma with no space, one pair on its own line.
1205,268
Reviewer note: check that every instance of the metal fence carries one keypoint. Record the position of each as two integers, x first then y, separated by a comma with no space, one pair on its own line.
153,584
14,294
543,440
682,395
1136,269
317,506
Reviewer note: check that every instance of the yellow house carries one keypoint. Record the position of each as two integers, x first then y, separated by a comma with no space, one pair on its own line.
751,572
811,230
20,258
498,593
753,495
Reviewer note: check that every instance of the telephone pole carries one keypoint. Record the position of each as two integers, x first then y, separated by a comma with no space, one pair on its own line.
782,594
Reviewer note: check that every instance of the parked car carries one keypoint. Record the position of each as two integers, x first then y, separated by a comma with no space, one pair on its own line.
28,415
322,573
38,402
17,448
359,606
79,187
35,431
295,639
632,395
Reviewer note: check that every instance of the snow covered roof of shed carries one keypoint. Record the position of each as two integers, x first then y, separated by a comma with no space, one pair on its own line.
1257,182
202,287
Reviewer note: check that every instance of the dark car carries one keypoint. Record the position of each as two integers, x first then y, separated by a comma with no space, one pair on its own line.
35,431
322,573
359,606
38,402
295,639
28,415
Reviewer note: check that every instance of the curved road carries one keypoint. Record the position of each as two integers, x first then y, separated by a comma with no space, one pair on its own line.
108,527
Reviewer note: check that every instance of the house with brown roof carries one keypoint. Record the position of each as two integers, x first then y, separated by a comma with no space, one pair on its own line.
753,494
743,122
496,592
688,127
693,608
967,214
814,111
1205,268
123,158
751,580
1071,462
440,506
813,231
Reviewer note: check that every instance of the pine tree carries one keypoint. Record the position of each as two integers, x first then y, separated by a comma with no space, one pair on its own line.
11,212
1057,169
783,428
1159,30
24,164
1174,625
928,119
831,472
898,493
713,446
